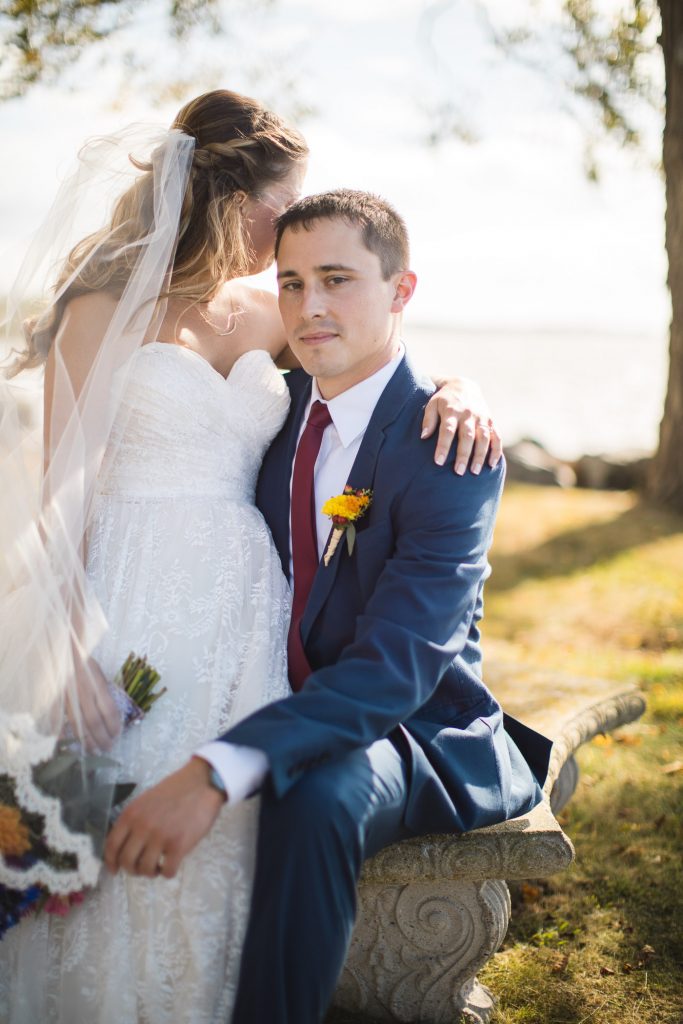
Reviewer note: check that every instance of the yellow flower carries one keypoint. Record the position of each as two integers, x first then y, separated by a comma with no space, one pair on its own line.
14,836
344,510
348,507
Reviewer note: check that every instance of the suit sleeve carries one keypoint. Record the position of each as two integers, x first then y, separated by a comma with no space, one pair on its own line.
415,623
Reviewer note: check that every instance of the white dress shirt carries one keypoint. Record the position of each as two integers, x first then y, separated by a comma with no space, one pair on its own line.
243,769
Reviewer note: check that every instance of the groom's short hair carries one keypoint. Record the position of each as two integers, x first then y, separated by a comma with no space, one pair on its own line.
382,229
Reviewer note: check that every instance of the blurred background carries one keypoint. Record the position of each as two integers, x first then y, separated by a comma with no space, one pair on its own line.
523,153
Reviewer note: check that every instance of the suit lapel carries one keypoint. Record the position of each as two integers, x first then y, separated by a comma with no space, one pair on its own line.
391,402
281,496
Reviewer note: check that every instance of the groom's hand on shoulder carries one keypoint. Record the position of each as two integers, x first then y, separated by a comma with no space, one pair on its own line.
160,827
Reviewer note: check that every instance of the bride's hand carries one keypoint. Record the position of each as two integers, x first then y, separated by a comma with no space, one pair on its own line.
96,721
459,406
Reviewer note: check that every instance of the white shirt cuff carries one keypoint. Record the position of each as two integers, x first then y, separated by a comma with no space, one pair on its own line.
242,769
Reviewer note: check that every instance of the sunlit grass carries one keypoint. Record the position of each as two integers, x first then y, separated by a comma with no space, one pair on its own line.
592,582
588,581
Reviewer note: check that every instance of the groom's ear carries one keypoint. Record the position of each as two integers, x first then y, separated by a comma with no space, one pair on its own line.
404,287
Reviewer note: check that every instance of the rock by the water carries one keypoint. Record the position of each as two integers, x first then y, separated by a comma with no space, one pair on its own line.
622,471
528,462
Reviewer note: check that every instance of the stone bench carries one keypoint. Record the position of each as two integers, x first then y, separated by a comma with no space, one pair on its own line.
433,910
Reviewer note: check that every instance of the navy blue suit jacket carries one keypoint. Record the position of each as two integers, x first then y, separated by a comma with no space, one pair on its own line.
391,631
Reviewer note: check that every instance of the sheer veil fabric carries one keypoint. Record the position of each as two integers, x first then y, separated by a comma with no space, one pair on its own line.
50,621
151,475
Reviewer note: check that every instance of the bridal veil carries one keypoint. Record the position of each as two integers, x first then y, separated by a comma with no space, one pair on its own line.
50,622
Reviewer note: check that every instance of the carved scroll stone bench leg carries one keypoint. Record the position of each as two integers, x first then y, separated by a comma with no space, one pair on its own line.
416,950
564,785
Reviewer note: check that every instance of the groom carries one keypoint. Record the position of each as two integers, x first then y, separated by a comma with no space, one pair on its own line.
390,731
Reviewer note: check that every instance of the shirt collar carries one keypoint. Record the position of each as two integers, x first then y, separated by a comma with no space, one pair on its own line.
352,409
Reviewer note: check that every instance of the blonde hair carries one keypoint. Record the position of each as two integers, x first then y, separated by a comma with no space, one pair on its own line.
240,149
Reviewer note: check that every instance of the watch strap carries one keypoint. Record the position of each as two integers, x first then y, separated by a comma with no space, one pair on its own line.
216,781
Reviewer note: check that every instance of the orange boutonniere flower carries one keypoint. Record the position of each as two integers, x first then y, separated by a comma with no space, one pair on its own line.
344,511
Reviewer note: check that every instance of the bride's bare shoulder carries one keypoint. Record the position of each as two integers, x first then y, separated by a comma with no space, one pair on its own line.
259,319
79,335
85,320
97,305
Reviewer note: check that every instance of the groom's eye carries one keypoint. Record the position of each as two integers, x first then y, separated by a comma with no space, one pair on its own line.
337,279
290,286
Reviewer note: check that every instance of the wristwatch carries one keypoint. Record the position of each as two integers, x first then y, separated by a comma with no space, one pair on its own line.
216,781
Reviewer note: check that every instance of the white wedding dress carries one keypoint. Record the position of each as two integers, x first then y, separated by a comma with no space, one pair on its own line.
186,572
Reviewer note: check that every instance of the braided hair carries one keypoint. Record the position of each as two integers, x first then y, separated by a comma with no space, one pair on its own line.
240,150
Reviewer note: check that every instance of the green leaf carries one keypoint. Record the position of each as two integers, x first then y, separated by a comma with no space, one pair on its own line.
47,771
100,761
350,537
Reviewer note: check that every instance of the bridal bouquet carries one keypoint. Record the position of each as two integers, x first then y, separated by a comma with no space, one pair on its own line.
61,794
133,689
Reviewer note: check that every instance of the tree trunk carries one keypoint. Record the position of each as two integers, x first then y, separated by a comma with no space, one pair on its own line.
666,479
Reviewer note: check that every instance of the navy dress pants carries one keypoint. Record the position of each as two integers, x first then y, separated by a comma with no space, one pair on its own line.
311,847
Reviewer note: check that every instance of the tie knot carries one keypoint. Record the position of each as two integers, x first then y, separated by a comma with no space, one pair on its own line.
319,416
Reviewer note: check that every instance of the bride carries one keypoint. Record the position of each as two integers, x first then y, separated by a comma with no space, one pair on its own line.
161,396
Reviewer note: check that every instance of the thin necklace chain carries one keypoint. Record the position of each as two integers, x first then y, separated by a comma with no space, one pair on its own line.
230,325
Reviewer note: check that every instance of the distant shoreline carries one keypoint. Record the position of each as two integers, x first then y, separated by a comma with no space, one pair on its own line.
559,333
576,392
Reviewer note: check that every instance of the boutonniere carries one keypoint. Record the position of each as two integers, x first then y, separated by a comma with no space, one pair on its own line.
344,511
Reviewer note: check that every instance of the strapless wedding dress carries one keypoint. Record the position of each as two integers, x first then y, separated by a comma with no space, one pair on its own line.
186,572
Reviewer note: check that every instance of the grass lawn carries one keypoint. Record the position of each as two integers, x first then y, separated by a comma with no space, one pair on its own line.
592,582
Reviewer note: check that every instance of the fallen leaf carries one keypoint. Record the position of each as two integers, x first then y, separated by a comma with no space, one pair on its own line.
530,893
606,972
628,740
602,740
647,952
672,767
627,968
560,965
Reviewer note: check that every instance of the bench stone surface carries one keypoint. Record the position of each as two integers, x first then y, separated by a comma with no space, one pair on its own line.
434,909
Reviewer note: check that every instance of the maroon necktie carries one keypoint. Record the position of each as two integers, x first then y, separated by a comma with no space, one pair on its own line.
305,557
